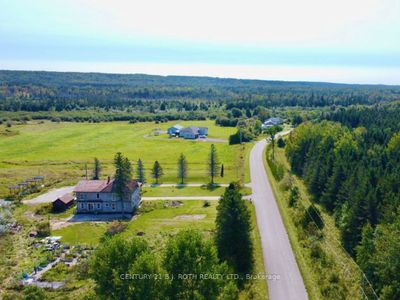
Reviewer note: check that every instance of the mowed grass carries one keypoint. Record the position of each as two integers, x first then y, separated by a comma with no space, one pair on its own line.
188,191
157,221
60,151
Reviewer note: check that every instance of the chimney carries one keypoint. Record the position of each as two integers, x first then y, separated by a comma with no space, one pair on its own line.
108,179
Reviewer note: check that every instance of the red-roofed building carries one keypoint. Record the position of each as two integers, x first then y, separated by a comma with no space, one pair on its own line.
99,196
62,203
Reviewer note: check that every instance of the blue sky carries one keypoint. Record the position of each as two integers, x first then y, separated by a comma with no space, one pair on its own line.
343,41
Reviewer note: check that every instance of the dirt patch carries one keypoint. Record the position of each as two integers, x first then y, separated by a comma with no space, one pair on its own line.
173,203
190,217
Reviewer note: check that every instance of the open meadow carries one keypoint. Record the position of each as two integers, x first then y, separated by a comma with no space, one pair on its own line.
60,151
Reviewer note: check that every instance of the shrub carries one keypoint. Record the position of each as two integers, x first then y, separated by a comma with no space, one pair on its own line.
281,143
287,182
312,215
294,196
206,203
115,228
277,169
44,209
43,228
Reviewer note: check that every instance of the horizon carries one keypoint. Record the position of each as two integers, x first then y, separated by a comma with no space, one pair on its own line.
353,42
203,76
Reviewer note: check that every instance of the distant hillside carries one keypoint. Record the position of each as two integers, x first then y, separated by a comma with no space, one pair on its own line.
38,90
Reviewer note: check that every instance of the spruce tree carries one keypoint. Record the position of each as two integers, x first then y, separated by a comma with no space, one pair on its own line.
96,169
157,171
213,163
182,168
141,176
233,231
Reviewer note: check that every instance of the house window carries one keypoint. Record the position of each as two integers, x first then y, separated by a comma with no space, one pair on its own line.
113,206
106,204
98,196
82,205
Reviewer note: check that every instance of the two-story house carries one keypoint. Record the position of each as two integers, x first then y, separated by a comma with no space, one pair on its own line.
99,196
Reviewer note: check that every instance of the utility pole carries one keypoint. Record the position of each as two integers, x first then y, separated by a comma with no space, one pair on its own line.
86,171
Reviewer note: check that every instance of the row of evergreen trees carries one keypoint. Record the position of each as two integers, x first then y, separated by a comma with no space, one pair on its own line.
124,168
355,174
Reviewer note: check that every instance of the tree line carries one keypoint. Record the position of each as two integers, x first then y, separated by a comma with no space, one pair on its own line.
47,91
352,169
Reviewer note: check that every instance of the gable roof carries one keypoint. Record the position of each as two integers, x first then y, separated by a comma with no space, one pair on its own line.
274,120
190,129
66,199
101,186
177,126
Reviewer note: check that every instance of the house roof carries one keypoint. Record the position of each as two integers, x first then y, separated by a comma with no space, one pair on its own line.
66,199
203,128
274,120
101,186
177,126
190,129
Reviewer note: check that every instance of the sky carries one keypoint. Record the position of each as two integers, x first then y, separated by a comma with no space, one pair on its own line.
350,41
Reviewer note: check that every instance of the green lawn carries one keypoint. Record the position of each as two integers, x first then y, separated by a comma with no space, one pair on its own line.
155,218
188,191
158,220
59,151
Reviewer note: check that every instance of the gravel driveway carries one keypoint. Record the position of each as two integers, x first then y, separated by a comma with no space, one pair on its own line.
50,195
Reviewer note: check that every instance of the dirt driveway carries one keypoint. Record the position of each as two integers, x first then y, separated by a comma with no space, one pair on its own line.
50,195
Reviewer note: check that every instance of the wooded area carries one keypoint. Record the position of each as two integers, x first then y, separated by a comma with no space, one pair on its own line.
352,168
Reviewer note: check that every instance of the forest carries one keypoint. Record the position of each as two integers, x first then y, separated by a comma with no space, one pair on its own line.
350,162
56,91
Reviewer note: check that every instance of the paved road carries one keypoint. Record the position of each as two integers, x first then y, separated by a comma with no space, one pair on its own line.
277,251
50,195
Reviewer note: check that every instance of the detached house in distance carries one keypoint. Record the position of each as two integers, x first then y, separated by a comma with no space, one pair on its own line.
99,196
272,122
174,130
191,132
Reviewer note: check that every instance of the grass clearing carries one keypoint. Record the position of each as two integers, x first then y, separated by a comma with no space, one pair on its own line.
59,151
159,220
188,191
326,278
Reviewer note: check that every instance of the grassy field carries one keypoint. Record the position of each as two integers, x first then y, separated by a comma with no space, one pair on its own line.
188,191
328,272
59,151
158,220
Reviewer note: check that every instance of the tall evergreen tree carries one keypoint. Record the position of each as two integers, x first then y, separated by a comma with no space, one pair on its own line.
271,131
182,168
157,171
96,169
123,176
213,163
233,231
140,173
